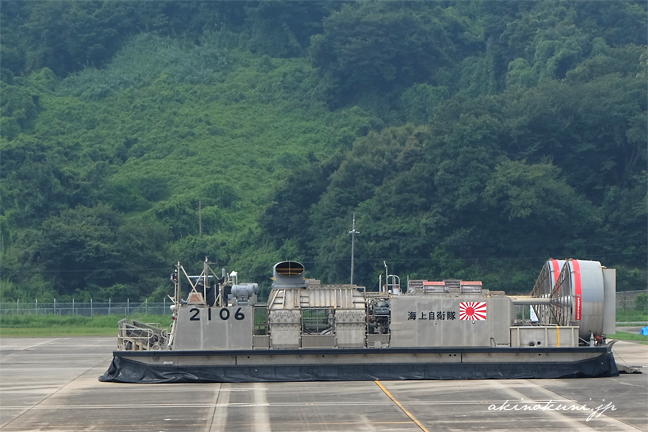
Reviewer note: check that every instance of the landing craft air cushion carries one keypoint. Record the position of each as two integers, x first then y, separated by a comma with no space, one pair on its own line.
307,331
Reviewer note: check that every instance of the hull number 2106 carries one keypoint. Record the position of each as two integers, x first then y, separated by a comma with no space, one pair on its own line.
224,314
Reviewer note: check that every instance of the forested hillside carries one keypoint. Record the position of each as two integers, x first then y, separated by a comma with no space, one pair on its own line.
472,140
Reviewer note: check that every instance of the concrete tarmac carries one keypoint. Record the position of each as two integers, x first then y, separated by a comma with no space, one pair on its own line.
50,384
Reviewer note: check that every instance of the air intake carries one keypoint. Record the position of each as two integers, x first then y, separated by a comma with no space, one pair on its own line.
288,274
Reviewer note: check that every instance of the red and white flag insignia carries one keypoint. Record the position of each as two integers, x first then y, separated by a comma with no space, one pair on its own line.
472,311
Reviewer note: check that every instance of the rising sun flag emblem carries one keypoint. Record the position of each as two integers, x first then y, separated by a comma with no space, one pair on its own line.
472,311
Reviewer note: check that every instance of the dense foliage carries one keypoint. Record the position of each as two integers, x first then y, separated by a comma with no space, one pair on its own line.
471,139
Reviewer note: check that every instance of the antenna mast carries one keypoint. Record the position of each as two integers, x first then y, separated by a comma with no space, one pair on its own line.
353,232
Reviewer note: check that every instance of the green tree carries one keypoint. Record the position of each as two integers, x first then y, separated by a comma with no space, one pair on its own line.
536,211
18,109
282,29
66,36
377,46
288,216
80,247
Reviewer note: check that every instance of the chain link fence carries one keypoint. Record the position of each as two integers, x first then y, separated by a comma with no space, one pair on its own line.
85,308
626,301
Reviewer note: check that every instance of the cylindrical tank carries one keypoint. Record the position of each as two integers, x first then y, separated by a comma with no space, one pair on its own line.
245,290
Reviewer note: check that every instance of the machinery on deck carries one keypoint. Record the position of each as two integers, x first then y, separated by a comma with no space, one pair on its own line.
449,329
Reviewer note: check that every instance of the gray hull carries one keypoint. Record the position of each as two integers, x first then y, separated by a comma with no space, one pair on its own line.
359,364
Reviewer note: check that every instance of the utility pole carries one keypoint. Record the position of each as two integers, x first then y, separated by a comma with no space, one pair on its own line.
353,232
199,219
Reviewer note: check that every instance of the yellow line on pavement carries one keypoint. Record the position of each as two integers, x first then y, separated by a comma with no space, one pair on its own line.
418,423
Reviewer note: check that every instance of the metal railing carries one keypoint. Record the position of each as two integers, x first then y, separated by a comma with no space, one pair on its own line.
90,308
139,336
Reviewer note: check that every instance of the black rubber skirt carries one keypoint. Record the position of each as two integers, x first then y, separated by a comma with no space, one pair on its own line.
126,368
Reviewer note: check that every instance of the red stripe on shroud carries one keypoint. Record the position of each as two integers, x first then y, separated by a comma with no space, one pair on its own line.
578,288
556,270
